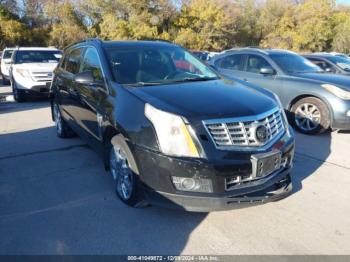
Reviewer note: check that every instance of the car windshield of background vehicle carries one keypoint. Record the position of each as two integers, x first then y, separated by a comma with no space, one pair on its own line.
7,54
157,65
342,62
37,56
291,63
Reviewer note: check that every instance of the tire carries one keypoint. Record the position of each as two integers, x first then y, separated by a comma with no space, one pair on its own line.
62,128
18,94
125,174
311,116
5,82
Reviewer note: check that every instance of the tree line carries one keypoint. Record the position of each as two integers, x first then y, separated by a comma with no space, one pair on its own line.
299,25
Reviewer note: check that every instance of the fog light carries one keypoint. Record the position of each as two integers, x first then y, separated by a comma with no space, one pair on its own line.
192,184
188,183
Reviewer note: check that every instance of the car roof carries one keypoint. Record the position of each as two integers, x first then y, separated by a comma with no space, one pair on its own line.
122,43
266,51
319,55
8,49
38,48
143,43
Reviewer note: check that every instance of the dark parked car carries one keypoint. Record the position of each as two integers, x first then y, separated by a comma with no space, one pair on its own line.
337,64
316,100
173,135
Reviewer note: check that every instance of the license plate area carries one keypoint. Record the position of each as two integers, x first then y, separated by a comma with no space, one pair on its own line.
265,164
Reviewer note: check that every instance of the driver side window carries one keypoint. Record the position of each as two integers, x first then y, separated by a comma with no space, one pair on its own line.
255,63
92,63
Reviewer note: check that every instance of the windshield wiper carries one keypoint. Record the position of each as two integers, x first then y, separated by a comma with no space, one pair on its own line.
145,84
193,79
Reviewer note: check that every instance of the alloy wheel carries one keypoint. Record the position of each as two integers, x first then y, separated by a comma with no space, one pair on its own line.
307,117
121,173
14,91
58,119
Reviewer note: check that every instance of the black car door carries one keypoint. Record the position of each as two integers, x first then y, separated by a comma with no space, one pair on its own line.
91,96
68,95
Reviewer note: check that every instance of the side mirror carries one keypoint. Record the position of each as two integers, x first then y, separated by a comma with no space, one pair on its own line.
84,78
328,70
267,71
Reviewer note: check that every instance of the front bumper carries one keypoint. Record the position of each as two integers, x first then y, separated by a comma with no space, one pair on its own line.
37,91
32,88
276,188
341,114
157,170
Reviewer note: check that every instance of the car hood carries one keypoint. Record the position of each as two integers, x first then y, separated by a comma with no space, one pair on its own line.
37,67
339,80
206,99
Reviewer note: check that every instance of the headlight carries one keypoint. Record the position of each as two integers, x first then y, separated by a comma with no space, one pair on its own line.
173,135
341,93
23,72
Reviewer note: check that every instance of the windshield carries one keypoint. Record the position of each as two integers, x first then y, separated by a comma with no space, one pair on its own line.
37,56
156,65
7,54
341,61
293,63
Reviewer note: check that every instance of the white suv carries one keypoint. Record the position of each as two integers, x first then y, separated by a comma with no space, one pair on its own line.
31,71
5,64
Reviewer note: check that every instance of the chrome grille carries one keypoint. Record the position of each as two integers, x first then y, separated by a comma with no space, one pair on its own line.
42,76
241,132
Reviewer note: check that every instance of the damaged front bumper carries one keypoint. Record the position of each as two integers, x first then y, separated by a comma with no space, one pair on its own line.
157,172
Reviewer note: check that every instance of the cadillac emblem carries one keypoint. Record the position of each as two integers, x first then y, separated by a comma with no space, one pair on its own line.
261,134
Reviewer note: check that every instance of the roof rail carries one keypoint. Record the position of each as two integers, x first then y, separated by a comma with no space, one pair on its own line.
258,49
156,39
85,40
254,46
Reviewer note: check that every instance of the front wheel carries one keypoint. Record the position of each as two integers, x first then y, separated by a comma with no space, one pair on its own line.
124,172
5,81
18,94
311,116
62,129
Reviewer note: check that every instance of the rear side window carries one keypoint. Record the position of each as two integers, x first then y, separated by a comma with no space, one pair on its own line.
255,63
232,62
72,61
92,63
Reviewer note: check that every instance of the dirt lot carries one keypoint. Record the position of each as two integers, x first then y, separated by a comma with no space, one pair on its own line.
55,198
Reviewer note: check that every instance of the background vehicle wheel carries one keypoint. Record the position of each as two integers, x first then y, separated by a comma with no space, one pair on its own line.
18,94
311,116
62,129
4,80
124,171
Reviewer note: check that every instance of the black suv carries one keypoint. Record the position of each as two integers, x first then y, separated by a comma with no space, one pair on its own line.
170,130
